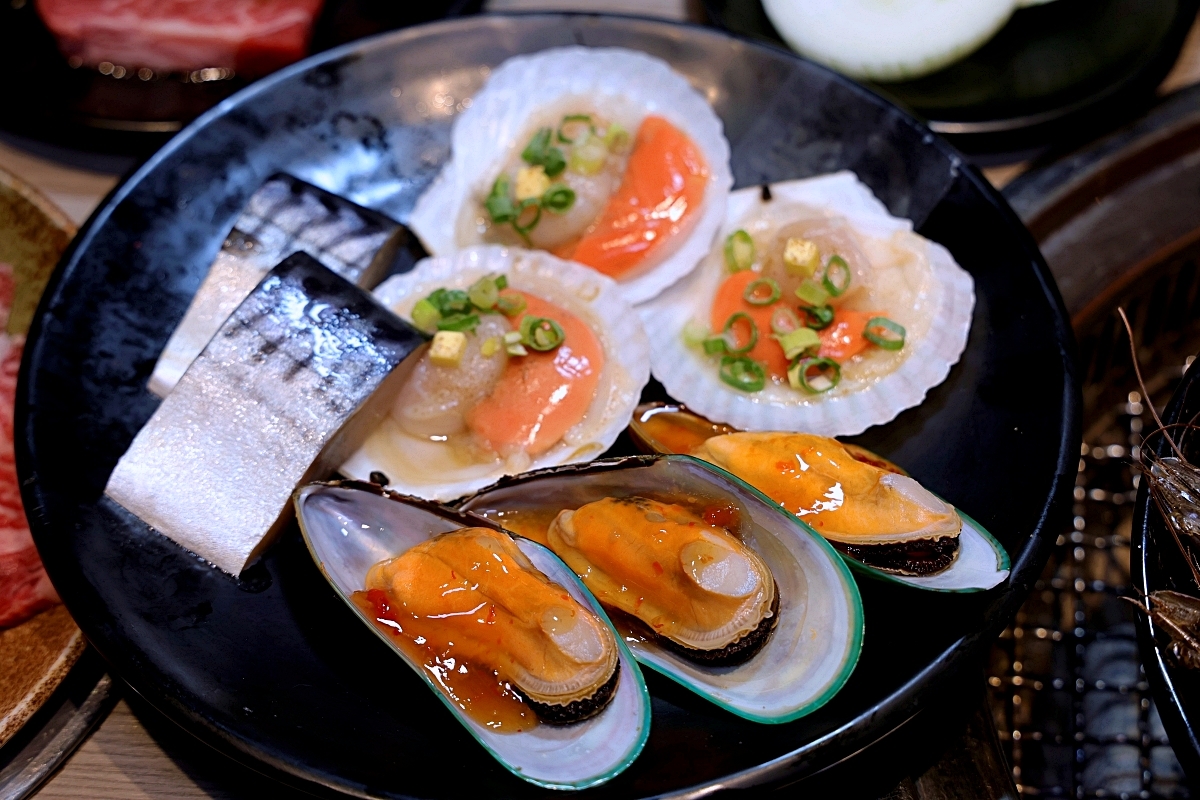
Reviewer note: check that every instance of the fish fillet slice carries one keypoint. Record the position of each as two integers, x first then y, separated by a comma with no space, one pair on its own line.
284,392
286,215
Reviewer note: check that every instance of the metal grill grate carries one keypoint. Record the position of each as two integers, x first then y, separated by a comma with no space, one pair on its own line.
1068,694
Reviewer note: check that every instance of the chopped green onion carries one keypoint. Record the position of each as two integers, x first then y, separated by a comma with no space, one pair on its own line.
784,320
798,342
817,317
754,292
616,137
729,334
483,293
714,345
512,337
425,316
883,332
539,153
510,305
450,301
812,293
744,374
558,198
567,120
837,276
501,281
799,378
526,227
739,251
490,346
541,333
535,151
694,333
588,158
499,203
516,350
458,322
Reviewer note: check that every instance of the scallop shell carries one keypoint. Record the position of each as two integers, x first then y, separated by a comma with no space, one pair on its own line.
691,378
348,530
591,296
817,640
485,134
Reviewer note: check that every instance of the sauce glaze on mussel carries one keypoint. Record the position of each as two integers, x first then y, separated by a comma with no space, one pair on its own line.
867,507
401,563
724,573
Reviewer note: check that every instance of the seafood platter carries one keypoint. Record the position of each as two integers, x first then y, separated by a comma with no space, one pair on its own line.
1164,573
625,408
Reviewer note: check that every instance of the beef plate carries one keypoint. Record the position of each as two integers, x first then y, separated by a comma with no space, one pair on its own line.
250,37
24,587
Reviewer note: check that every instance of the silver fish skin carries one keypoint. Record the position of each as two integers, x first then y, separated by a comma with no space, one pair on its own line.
284,216
291,384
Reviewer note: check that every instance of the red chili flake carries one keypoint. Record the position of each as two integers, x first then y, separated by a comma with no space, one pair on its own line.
724,516
491,617
658,570
379,599
783,466
453,576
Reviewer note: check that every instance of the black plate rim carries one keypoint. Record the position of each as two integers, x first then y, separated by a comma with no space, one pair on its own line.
884,717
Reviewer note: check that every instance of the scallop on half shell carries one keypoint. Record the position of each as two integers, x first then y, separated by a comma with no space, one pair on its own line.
353,530
434,444
695,563
564,90
881,521
891,271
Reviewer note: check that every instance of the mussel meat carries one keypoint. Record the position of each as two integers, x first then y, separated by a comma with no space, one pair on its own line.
685,578
470,599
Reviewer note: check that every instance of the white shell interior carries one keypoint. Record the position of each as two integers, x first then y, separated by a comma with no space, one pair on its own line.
816,643
693,379
498,120
593,297
349,530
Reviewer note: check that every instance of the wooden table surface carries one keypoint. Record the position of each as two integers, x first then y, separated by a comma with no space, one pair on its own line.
136,753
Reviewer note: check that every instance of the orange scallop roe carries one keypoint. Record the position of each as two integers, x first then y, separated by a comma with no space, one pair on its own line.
729,300
657,201
540,396
841,340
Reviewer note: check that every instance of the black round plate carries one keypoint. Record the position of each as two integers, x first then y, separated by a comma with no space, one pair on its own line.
80,108
1157,564
272,667
1058,72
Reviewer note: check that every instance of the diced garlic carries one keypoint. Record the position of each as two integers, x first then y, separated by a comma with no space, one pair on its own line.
801,257
447,348
532,182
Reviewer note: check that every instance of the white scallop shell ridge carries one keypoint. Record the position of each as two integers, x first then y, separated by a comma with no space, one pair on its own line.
692,379
486,133
593,297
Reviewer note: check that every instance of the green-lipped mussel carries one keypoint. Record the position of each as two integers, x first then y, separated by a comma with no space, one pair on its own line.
498,627
867,507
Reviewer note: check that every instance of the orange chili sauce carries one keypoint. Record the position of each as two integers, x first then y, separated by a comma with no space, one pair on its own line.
669,431
476,689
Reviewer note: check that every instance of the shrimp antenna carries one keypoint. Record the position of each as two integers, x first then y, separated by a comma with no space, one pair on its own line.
1138,371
